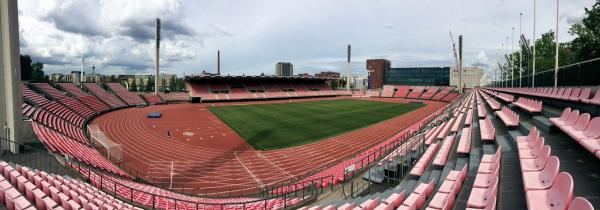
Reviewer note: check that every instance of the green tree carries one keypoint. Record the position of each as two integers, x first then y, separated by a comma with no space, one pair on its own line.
586,45
26,69
38,72
133,86
150,84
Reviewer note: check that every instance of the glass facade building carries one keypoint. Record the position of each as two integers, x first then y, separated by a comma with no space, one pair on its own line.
418,76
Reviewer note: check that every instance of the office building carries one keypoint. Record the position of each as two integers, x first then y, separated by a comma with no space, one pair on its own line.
471,77
376,69
284,69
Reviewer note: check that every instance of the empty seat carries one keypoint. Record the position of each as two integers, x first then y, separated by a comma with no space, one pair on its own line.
580,203
482,197
543,179
556,197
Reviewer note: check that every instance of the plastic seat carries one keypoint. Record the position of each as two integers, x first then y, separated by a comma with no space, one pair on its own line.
537,163
593,129
585,94
580,203
565,114
482,197
529,144
574,94
556,197
595,100
395,199
540,180
490,206
489,158
533,152
485,180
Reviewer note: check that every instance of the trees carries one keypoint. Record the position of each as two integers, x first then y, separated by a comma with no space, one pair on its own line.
32,71
150,84
586,45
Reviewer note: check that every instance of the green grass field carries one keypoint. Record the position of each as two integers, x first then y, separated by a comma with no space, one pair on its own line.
274,126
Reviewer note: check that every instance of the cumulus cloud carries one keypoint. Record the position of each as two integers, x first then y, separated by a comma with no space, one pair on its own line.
481,60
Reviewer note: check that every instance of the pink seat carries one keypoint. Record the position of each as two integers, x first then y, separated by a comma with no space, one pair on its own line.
593,129
490,206
414,201
488,168
370,204
533,152
557,197
486,180
536,163
457,176
395,199
523,144
347,206
442,201
540,180
595,100
585,94
575,94
481,197
580,203
384,206
489,158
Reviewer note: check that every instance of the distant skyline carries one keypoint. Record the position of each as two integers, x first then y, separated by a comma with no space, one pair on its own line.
118,36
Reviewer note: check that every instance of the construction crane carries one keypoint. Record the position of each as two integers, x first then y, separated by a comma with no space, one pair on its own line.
454,50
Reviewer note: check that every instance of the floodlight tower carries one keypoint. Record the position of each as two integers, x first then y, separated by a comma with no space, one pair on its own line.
156,57
349,67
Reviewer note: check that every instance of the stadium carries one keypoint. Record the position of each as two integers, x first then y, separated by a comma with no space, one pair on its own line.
302,142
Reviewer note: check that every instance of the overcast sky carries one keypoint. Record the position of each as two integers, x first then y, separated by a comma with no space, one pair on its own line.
117,36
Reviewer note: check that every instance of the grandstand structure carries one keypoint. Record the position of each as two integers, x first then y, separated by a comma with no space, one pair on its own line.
463,151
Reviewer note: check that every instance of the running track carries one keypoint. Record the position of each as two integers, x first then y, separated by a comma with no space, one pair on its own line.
215,159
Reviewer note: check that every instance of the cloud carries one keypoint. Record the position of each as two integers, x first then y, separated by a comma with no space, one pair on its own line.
481,60
388,26
576,16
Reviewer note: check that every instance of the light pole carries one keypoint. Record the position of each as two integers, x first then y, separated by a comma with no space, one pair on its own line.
520,51
556,48
533,73
512,60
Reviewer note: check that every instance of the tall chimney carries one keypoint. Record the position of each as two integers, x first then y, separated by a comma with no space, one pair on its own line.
156,58
218,62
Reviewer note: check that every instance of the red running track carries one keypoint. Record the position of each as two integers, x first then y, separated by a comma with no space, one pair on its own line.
213,158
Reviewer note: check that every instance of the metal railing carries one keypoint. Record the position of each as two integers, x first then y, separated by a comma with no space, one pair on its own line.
585,73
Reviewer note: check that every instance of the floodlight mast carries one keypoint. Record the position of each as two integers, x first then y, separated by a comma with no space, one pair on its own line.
156,57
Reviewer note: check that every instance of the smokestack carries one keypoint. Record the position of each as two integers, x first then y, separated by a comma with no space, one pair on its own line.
218,62
156,58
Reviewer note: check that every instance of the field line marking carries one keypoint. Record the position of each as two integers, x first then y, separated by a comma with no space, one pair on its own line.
249,172
273,164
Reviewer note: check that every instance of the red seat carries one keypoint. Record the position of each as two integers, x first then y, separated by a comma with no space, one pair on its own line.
481,197
556,197
530,143
533,152
580,203
487,129
490,158
395,199
537,163
584,95
488,168
595,100
490,206
540,180
486,180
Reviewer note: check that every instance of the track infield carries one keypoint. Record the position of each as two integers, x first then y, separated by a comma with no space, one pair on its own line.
282,125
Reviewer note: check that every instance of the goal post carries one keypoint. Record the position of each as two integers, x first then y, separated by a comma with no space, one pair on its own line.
105,145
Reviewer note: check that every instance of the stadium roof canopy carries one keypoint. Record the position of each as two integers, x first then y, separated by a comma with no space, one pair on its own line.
266,77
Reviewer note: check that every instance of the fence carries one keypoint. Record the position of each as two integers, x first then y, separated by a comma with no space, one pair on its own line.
586,73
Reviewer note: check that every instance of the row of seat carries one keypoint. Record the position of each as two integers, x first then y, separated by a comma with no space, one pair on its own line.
106,97
485,187
545,186
509,117
27,110
529,105
56,123
58,143
446,194
52,106
48,191
153,99
464,143
567,94
85,98
444,151
579,127
67,101
129,97
417,198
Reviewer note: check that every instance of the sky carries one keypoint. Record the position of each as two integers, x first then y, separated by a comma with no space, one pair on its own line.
117,37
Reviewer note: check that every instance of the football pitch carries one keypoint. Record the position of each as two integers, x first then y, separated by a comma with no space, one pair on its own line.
274,126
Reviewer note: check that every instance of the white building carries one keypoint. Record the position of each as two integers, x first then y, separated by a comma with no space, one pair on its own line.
471,77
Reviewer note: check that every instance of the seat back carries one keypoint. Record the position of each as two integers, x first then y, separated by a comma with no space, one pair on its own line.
580,203
572,118
550,171
543,155
585,93
533,133
582,122
561,192
565,114
567,93
593,129
575,93
560,92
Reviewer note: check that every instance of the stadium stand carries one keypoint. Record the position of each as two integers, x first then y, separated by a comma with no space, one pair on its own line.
174,97
52,106
153,99
402,91
129,97
387,91
65,100
429,92
85,98
416,92
107,97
